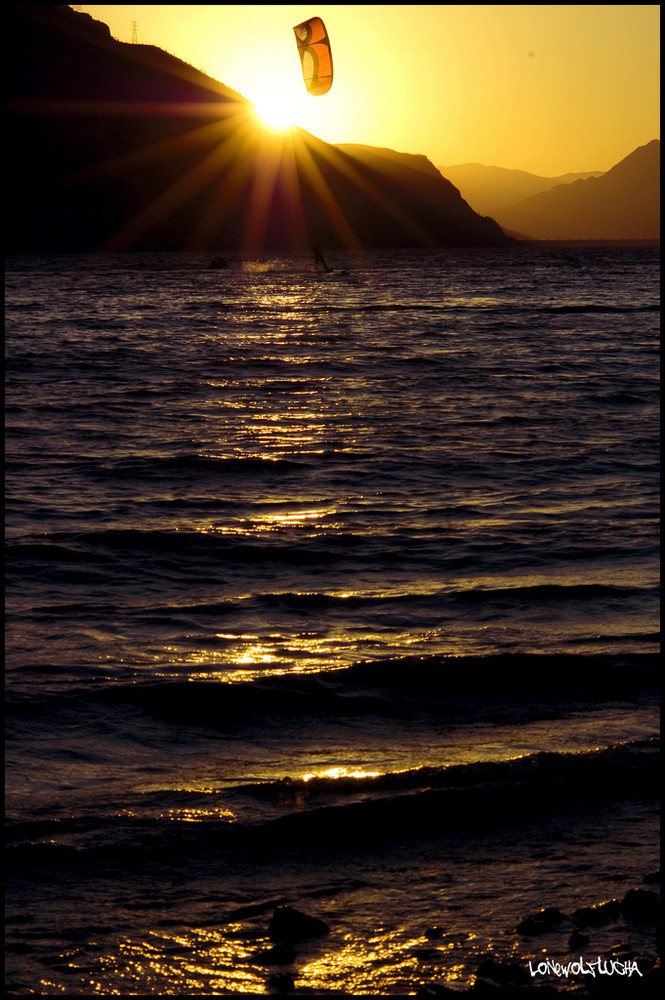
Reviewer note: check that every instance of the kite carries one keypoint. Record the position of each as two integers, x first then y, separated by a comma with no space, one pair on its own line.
315,55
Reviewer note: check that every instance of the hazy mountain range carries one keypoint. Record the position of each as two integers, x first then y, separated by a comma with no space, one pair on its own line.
621,204
491,189
122,146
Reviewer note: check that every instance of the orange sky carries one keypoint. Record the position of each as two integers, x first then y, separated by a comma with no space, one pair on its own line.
543,88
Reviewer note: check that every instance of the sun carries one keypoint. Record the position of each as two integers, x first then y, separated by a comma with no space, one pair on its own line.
280,100
274,110
272,81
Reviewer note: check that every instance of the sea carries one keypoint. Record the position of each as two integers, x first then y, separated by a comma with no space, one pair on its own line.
332,622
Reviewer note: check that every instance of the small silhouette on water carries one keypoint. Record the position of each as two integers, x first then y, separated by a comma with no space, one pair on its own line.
218,262
319,259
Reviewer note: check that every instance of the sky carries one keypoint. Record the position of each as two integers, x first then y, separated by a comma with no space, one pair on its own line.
549,89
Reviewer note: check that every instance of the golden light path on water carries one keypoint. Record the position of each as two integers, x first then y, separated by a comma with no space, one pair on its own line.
215,962
341,772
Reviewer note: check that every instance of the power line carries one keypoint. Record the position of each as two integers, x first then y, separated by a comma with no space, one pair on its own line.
135,32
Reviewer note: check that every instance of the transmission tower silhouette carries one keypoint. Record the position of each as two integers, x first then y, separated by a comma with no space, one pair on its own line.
135,32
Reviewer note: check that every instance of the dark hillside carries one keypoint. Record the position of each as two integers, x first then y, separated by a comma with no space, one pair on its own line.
124,146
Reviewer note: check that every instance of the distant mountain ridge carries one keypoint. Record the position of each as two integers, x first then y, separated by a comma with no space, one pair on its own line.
623,203
122,146
490,189
620,204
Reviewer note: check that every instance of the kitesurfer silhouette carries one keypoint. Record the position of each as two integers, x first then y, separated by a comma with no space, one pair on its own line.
319,258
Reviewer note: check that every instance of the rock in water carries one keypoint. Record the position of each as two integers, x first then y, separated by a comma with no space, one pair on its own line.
504,973
289,924
541,922
283,983
577,941
598,915
641,906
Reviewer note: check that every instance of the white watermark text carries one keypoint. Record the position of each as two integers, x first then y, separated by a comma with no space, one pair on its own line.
597,967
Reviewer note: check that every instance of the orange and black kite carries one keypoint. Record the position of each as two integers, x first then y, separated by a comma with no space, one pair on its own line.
315,55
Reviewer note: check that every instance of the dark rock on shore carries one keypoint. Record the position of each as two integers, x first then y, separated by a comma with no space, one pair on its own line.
289,924
577,940
641,906
435,990
645,988
541,922
432,933
598,915
426,954
483,987
252,910
282,982
281,954
504,973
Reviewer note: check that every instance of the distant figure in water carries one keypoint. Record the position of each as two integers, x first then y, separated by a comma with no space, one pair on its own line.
319,258
218,262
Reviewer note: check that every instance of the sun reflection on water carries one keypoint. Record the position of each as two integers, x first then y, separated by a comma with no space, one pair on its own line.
341,772
363,966
183,964
230,960
191,815
245,657
261,524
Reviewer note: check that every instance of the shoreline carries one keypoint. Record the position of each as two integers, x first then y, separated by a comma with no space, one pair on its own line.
655,243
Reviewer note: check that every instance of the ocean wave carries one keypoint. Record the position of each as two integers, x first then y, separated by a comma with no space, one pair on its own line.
551,592
627,757
104,544
494,306
489,687
478,793
215,465
324,811
591,307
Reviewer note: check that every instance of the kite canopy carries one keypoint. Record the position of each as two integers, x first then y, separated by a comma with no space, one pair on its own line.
315,55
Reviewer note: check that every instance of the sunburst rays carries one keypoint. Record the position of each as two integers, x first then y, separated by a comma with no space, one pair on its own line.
228,181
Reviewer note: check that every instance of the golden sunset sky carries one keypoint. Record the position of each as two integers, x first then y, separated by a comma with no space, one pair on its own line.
543,88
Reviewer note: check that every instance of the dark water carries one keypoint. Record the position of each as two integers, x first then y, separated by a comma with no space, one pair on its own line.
330,590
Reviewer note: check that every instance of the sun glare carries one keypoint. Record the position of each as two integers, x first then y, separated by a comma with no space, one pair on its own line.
280,102
273,111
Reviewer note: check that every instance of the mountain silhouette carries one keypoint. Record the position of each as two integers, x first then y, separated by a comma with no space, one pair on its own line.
491,190
123,146
622,204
